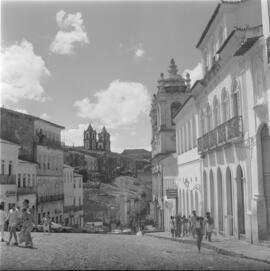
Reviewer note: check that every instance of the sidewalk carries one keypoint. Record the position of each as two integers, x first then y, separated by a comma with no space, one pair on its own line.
226,246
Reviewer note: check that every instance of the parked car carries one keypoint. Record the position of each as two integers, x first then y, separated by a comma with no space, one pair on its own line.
67,229
149,228
38,228
116,231
126,231
55,227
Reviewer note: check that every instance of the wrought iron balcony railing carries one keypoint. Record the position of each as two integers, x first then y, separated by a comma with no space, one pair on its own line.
226,132
51,198
7,179
26,190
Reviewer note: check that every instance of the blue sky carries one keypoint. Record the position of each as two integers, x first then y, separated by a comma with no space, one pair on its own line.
79,62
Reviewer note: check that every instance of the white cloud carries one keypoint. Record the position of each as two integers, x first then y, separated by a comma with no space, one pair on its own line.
45,116
118,106
72,33
22,74
74,136
139,51
195,74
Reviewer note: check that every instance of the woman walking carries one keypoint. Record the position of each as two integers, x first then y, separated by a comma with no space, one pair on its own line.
209,226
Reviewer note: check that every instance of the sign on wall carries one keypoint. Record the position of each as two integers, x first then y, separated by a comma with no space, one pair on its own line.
171,193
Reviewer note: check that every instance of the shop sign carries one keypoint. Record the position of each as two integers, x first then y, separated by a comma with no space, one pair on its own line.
171,193
10,193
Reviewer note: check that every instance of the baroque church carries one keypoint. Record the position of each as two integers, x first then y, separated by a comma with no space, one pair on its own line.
100,142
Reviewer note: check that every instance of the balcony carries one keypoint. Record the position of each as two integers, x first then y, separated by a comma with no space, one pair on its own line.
227,132
48,198
7,179
26,190
72,208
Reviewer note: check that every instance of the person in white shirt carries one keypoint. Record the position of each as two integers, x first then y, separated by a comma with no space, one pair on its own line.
13,219
3,217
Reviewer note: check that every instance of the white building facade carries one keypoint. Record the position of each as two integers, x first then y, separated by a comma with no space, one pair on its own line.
27,185
78,200
233,138
188,182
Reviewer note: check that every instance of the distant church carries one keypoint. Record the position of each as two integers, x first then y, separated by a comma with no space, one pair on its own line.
92,142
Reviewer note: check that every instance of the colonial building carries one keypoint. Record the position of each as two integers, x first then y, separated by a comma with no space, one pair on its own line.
94,141
27,185
50,158
9,161
78,199
40,143
232,103
188,161
68,195
172,93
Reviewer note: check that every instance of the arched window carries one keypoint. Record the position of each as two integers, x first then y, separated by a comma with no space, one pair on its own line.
205,60
236,98
225,105
208,118
202,123
174,107
216,112
189,136
194,129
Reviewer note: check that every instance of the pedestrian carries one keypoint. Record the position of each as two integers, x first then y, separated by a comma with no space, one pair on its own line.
46,224
185,226
189,225
199,231
178,225
13,220
193,222
27,224
3,218
209,226
172,226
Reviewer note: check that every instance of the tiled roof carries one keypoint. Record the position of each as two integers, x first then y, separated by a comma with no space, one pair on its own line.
246,45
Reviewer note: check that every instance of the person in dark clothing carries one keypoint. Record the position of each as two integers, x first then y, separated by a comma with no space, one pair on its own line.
199,231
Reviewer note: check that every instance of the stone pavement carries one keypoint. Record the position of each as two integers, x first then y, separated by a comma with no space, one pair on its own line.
82,251
226,246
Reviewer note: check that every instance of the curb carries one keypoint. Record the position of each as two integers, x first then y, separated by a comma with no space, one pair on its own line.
218,250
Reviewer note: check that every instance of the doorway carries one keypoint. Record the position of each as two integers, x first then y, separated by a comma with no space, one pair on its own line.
240,201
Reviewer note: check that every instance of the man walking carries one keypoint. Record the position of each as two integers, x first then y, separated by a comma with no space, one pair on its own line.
199,231
13,219
3,217
209,226
193,222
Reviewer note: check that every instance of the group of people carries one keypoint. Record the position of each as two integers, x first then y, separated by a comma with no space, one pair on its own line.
15,218
195,225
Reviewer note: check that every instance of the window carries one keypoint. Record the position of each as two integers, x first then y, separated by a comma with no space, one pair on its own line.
19,179
216,113
33,179
202,122
3,167
24,180
194,132
74,201
189,136
74,184
10,168
174,107
236,99
79,201
208,118
29,180
225,105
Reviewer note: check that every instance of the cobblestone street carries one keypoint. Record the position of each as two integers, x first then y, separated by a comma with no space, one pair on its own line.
90,251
